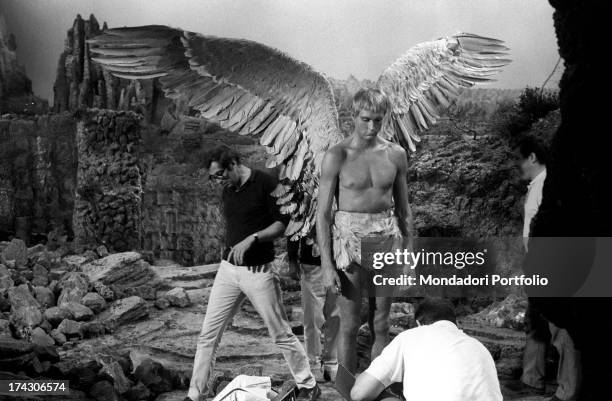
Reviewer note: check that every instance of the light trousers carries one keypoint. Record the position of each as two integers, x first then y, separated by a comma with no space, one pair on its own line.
231,286
321,315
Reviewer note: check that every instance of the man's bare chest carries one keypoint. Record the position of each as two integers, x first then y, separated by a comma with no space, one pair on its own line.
365,171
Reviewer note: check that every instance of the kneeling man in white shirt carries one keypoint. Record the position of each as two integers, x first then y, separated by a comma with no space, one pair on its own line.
435,361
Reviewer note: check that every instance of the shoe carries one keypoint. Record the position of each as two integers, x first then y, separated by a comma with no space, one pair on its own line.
329,372
327,375
309,394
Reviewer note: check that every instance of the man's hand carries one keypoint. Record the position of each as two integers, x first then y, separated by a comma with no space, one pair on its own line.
238,251
259,268
331,280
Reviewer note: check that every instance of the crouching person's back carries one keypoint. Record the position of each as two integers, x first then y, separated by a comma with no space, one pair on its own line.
435,361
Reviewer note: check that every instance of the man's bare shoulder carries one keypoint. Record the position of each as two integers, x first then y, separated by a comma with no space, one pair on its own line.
396,152
338,151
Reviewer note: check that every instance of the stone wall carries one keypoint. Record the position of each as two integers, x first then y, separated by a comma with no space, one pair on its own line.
182,217
182,221
109,180
37,174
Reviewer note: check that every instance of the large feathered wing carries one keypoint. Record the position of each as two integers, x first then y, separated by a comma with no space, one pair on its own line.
423,82
245,87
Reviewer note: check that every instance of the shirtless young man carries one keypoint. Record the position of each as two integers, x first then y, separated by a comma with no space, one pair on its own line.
367,175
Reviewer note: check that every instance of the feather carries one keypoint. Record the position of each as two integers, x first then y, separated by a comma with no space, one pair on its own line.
422,83
245,87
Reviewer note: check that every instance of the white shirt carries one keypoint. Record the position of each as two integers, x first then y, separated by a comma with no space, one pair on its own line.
438,362
533,200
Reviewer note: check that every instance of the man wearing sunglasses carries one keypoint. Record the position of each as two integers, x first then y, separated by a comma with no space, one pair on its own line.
253,221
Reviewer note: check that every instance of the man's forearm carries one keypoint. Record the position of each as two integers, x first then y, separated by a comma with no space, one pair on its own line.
271,232
405,222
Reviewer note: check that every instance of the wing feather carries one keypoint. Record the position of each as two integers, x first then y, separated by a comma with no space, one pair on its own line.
245,87
422,83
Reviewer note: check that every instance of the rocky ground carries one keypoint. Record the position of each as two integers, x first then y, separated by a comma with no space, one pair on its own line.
120,328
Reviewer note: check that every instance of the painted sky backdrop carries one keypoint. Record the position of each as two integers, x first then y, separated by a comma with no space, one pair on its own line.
339,38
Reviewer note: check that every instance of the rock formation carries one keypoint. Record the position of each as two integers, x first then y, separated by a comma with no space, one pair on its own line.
13,80
109,180
15,87
80,83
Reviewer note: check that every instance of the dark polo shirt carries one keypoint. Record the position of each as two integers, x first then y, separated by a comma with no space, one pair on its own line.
250,209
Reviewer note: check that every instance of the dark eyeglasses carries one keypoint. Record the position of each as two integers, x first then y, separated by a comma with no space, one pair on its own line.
218,176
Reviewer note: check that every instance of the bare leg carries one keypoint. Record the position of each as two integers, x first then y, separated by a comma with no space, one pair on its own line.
349,303
381,325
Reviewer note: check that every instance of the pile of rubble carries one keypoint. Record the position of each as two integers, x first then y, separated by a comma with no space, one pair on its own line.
507,313
51,301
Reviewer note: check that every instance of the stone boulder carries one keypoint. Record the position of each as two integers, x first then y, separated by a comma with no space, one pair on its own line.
70,328
25,309
48,259
105,291
74,286
40,337
36,249
94,301
55,315
44,296
113,369
59,337
122,272
95,329
16,250
125,310
161,303
178,297
41,275
25,319
102,251
45,325
78,311
21,296
74,262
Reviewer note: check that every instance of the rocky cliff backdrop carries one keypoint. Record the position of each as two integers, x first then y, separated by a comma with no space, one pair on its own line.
114,167
462,180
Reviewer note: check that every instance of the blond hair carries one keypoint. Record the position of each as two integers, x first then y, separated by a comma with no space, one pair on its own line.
372,100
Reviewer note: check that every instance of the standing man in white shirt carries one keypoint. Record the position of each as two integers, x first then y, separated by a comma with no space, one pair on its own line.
533,158
435,361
